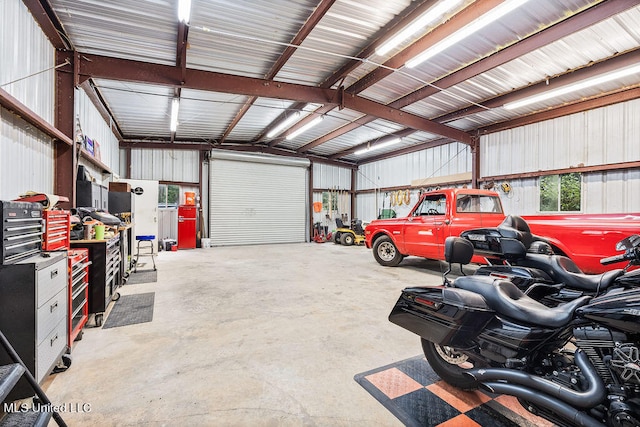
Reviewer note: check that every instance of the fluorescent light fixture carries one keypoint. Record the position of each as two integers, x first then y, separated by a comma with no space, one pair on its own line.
563,90
418,24
378,146
304,128
484,20
286,123
184,11
175,105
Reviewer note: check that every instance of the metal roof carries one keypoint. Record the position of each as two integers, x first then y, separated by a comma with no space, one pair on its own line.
239,68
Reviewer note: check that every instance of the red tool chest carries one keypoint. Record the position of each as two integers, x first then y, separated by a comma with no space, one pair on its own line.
57,230
78,292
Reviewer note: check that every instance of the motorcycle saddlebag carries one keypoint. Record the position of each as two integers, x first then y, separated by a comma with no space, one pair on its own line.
445,316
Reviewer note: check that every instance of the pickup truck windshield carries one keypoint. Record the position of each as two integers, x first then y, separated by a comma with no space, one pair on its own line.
432,205
473,203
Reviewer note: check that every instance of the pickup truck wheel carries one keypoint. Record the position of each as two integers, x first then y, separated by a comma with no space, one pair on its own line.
386,253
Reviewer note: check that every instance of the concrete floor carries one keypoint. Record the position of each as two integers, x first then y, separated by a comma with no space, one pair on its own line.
248,336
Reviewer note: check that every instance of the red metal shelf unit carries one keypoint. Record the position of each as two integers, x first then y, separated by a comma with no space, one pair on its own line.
57,230
78,292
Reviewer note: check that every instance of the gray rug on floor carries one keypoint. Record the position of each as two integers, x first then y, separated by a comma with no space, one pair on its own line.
142,276
131,309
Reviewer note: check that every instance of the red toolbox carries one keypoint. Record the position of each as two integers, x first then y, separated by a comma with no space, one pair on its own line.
57,230
78,293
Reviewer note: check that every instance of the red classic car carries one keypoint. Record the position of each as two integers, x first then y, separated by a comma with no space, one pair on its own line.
448,212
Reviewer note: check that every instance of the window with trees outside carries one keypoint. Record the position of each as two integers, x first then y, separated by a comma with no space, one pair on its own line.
561,193
168,196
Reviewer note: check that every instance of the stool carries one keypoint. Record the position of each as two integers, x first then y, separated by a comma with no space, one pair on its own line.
145,239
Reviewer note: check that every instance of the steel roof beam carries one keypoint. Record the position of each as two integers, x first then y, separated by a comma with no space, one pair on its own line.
49,23
578,107
407,150
397,23
315,17
399,134
129,70
557,31
602,67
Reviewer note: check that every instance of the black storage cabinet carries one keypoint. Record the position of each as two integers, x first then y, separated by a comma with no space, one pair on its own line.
104,272
34,314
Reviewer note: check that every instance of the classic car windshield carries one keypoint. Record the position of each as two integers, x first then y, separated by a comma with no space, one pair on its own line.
473,203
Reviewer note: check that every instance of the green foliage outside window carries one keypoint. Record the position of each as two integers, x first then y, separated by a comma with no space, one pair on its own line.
325,200
561,193
168,195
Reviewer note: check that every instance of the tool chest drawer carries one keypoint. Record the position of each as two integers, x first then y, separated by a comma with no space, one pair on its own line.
57,230
50,280
78,292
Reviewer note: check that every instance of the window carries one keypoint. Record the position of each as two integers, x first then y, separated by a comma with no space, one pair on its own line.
432,205
561,193
473,203
168,196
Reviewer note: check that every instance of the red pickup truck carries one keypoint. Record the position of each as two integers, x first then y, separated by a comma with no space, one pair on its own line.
448,212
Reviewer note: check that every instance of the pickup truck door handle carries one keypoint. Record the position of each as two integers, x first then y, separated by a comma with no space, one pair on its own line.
438,223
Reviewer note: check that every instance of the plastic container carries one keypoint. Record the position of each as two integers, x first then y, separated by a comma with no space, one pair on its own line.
99,229
189,198
317,207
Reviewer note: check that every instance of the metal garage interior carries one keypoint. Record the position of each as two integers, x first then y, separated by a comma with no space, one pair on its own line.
262,108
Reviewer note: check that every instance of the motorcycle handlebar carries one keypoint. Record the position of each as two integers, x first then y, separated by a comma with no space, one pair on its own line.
613,259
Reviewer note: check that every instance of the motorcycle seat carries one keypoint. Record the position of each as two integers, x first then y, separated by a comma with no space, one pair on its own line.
567,272
506,299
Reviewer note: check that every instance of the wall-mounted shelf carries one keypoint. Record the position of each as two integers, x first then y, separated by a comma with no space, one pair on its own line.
95,162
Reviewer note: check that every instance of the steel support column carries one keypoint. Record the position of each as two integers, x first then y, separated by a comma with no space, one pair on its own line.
65,168
310,204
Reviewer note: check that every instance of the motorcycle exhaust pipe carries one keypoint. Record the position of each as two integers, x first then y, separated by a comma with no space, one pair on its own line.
571,414
594,394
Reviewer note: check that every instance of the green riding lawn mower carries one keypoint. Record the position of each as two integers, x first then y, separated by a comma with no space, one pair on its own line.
348,236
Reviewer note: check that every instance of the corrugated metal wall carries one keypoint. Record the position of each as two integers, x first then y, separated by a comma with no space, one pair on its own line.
164,165
601,136
94,127
95,172
444,160
26,154
595,137
329,176
32,74
369,205
26,158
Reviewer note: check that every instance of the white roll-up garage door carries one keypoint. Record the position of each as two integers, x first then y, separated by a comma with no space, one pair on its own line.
256,199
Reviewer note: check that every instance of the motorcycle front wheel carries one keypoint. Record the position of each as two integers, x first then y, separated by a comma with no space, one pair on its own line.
449,364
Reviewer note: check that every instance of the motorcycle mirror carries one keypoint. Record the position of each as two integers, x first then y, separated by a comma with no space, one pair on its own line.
628,243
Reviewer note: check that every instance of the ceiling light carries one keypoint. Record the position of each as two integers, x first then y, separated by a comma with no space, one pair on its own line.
417,25
184,11
304,128
563,90
378,146
484,20
175,105
284,124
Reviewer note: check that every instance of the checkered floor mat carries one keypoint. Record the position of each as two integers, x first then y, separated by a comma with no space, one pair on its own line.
412,392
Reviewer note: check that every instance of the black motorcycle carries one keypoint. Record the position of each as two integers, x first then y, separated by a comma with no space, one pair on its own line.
513,253
576,364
